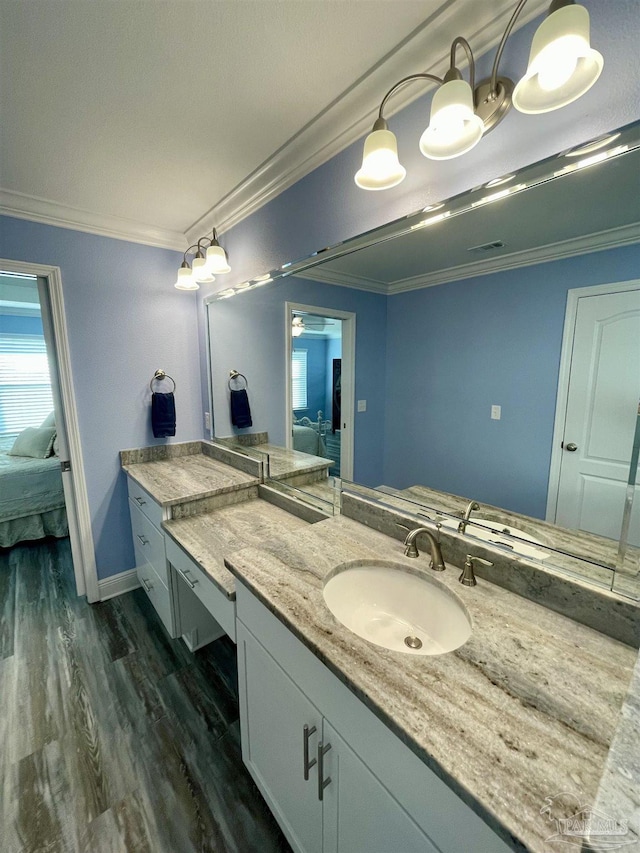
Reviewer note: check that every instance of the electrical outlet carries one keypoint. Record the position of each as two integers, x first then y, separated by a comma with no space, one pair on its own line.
362,405
496,413
207,420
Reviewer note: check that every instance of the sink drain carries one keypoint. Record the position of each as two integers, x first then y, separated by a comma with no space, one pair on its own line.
413,642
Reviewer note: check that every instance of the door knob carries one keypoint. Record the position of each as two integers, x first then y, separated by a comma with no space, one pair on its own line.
571,447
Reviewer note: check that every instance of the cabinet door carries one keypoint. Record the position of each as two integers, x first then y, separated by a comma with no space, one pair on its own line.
360,815
273,715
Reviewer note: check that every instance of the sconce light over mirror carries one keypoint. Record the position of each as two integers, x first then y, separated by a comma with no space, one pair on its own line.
204,267
562,67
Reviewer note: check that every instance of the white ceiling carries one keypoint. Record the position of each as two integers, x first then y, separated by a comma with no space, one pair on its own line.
157,119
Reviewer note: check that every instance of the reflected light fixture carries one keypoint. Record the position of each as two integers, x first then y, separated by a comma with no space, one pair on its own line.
203,268
562,67
297,327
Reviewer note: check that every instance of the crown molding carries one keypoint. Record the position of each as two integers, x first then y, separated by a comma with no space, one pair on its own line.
598,242
334,129
327,134
357,282
35,209
613,238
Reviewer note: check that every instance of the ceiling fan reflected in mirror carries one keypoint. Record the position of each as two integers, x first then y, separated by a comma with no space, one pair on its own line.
299,324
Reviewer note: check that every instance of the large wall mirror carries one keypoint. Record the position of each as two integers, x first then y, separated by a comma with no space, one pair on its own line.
497,345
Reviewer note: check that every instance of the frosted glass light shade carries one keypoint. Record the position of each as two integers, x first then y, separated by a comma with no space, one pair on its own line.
297,327
454,128
381,168
185,280
562,64
217,260
201,271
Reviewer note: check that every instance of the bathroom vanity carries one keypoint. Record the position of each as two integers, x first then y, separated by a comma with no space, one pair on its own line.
358,748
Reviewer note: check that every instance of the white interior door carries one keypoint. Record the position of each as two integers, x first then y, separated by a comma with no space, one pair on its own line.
602,405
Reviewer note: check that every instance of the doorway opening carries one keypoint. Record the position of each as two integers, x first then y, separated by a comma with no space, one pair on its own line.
38,421
320,370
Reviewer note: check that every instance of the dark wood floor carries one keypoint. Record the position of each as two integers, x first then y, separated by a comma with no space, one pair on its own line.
112,736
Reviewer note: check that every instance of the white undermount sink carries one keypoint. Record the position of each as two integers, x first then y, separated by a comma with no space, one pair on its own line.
393,607
500,534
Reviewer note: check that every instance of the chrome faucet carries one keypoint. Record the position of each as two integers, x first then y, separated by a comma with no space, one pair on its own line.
411,549
465,518
468,577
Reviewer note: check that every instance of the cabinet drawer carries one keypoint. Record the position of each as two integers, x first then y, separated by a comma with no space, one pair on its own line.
149,541
145,502
222,609
158,593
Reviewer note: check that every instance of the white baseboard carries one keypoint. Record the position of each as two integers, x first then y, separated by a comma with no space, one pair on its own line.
118,584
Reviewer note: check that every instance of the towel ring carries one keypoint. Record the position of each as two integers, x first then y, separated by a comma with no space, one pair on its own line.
158,376
233,374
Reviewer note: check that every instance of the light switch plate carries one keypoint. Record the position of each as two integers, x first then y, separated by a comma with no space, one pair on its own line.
207,420
496,413
362,405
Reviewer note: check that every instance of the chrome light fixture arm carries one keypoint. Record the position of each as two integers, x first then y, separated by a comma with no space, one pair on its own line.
396,86
453,72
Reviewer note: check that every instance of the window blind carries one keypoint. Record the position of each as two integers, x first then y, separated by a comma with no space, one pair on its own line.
299,378
25,384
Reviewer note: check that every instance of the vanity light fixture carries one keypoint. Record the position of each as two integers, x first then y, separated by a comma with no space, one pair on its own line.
562,67
204,268
297,327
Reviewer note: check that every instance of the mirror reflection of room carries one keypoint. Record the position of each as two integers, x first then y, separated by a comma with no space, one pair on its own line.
316,368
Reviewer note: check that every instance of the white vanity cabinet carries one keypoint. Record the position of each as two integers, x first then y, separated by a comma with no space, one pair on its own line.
325,798
170,590
151,563
366,792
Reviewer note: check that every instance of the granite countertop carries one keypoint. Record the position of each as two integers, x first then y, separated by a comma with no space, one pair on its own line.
207,536
526,709
286,463
186,478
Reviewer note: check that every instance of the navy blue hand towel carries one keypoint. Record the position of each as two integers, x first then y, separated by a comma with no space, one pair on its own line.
163,414
240,409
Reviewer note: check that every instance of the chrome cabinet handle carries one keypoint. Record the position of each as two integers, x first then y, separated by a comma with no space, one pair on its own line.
143,540
306,734
139,501
322,782
185,573
148,586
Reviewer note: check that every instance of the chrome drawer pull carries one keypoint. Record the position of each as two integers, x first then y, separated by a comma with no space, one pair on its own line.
140,501
185,573
143,540
322,782
148,586
306,734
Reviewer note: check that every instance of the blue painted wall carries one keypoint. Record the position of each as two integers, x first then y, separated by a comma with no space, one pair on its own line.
456,349
124,320
247,334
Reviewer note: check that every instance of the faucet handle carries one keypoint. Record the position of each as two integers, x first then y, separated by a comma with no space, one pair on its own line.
467,576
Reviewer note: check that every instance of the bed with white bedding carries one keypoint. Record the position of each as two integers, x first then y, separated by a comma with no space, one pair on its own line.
31,499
